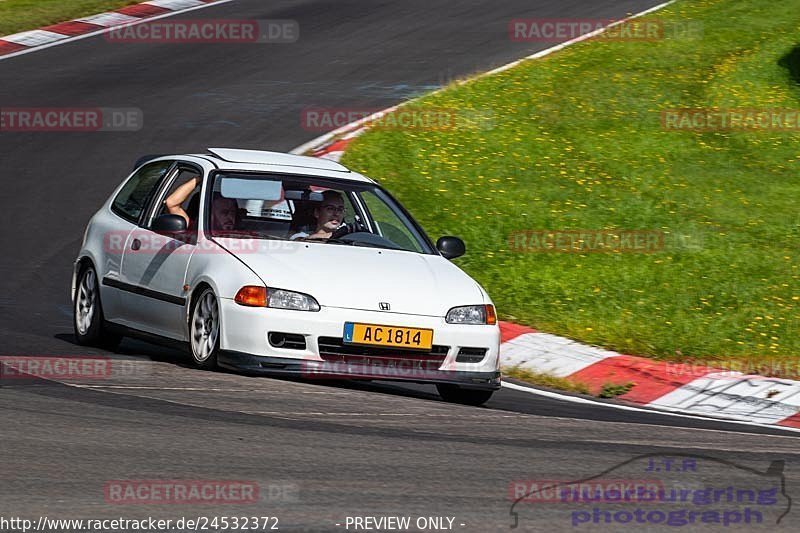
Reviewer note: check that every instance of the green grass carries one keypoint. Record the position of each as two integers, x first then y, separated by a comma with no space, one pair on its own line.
545,380
612,390
21,15
575,142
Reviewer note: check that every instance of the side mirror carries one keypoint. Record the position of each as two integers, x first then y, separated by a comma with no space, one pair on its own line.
451,247
170,225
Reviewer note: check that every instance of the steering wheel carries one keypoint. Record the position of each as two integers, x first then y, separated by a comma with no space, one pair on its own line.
347,228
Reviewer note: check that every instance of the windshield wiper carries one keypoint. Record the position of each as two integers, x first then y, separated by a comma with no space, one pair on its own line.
332,241
243,235
337,241
374,245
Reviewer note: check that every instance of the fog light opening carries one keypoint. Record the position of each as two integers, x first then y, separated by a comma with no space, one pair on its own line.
277,339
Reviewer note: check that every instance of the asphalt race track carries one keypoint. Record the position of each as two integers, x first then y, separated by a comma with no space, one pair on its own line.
328,450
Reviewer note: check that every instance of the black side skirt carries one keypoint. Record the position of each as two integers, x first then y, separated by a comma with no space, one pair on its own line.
142,291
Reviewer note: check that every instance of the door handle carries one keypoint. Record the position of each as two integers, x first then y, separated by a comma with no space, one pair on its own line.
136,244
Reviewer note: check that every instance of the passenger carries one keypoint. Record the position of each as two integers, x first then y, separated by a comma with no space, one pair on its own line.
224,211
174,201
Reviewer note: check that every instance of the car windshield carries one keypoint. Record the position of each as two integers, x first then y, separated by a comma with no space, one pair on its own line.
270,206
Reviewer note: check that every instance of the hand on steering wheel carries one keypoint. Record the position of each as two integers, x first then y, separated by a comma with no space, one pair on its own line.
347,228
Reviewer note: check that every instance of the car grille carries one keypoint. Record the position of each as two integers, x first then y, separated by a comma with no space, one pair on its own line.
333,349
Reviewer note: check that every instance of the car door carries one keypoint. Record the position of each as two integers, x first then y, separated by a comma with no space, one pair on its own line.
154,265
113,227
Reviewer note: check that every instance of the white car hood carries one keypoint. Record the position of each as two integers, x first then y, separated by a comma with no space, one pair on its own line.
357,277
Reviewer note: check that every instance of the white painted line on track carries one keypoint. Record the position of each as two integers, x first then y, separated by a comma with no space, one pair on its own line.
331,134
132,387
107,30
659,411
338,131
513,386
578,39
190,389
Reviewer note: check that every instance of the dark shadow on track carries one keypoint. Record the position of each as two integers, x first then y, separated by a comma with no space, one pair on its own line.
504,400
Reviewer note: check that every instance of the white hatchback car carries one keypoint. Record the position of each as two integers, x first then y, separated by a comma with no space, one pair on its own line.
284,265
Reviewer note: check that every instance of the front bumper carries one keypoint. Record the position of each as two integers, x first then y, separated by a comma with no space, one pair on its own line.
323,370
245,346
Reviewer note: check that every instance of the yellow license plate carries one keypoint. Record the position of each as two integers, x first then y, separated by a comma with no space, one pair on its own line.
396,336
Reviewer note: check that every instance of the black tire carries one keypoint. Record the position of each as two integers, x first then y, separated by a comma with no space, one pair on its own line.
88,320
455,394
203,349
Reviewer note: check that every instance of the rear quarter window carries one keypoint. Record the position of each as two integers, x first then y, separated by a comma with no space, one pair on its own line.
134,195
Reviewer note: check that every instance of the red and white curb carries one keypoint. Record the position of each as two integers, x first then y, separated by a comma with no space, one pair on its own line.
700,390
27,41
332,145
676,387
672,387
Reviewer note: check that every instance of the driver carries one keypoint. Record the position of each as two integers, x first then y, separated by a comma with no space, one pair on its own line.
329,216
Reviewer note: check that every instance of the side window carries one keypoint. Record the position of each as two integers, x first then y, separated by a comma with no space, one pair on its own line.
388,224
133,197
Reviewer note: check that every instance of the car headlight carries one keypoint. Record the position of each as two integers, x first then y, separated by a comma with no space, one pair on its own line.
472,314
281,299
255,296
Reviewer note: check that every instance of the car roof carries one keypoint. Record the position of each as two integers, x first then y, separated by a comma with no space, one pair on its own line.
260,160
